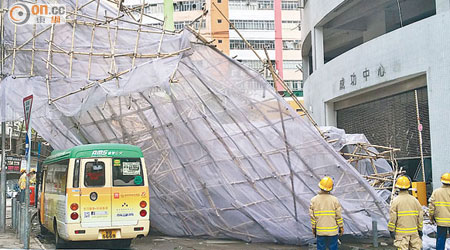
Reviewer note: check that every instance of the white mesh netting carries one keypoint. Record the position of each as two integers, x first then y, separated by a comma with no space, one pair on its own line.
226,155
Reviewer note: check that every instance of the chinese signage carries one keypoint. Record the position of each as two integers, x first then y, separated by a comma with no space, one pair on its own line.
365,75
13,163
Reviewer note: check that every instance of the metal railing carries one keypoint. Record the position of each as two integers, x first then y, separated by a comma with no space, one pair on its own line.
18,210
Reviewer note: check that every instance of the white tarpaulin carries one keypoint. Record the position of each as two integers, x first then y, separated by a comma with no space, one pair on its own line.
226,155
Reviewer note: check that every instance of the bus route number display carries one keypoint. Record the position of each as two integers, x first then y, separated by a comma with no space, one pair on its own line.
131,168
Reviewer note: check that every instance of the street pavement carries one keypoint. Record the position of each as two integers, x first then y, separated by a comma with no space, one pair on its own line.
9,240
160,242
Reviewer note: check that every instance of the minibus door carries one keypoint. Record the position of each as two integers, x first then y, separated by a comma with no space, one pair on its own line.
95,188
129,191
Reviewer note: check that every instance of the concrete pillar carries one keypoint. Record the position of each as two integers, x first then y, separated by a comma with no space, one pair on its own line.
317,47
330,114
305,67
442,6
438,103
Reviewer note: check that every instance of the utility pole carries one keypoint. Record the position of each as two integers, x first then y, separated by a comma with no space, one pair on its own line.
3,180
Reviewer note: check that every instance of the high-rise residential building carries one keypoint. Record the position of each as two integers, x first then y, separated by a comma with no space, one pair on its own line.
270,24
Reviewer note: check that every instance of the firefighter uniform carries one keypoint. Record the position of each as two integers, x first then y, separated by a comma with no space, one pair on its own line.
406,218
439,204
22,185
326,216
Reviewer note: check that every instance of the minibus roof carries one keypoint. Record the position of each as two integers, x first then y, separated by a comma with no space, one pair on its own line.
108,150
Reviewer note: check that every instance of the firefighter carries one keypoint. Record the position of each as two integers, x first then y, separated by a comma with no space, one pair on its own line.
326,218
33,177
406,218
439,204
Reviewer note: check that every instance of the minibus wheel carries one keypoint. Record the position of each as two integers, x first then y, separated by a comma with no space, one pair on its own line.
59,243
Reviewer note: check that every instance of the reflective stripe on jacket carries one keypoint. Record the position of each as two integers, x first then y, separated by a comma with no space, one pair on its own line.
326,214
406,215
439,204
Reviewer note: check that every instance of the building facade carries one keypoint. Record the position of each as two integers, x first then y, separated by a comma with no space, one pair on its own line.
255,19
375,67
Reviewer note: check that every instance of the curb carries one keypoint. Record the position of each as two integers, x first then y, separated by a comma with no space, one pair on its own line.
39,243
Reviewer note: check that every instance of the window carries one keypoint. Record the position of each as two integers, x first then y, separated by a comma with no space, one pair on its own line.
255,64
219,20
291,24
291,44
152,8
253,24
289,5
94,174
76,174
292,64
256,44
251,5
127,172
294,84
196,25
219,1
265,4
188,5
56,177
220,41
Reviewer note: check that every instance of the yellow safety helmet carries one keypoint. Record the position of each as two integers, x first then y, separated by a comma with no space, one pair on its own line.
403,182
326,184
22,170
445,178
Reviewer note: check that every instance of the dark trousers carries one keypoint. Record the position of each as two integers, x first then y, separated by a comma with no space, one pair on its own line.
441,237
327,241
22,196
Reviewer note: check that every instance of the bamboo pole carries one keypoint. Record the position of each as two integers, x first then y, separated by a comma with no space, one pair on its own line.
275,74
33,46
419,128
14,49
73,42
272,71
138,35
90,85
92,42
49,72
246,157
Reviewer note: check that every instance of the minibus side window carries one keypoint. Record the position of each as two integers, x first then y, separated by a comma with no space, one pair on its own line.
76,174
94,174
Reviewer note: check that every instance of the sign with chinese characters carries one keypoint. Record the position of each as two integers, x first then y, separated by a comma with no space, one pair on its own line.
380,71
13,163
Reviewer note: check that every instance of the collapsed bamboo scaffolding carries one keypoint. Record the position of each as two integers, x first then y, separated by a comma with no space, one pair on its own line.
221,163
362,150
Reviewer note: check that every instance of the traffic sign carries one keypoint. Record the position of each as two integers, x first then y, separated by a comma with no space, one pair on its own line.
27,104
